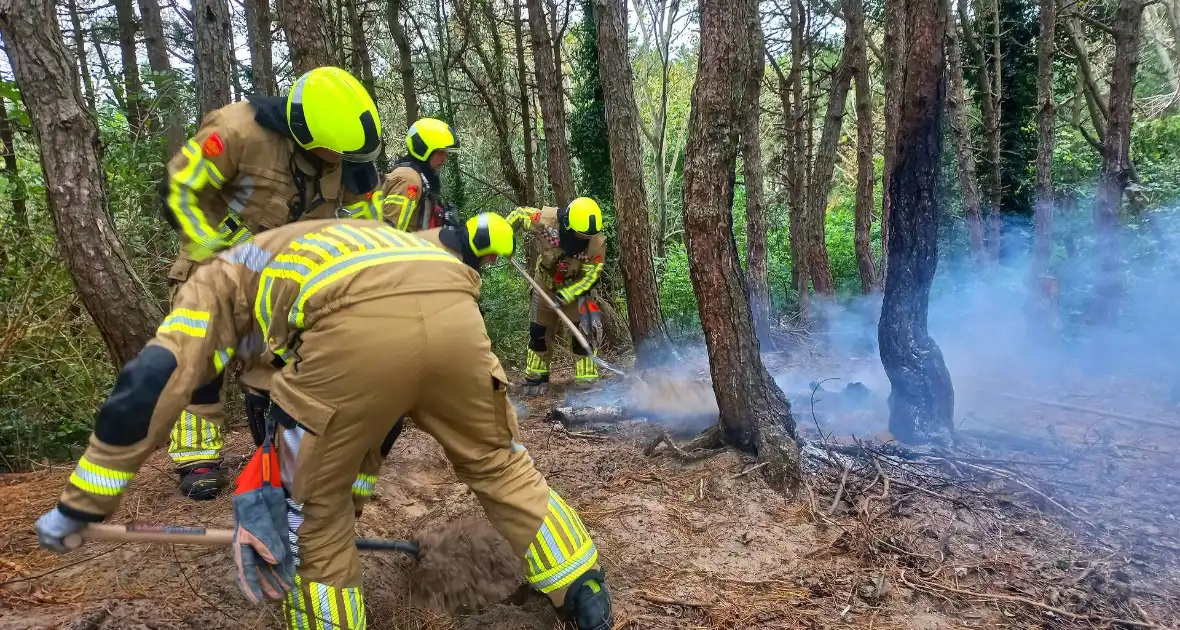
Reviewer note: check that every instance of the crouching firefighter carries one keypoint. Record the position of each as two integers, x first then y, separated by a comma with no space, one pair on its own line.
368,323
411,194
573,249
253,166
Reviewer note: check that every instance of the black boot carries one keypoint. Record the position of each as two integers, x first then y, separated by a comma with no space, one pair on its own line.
200,482
587,602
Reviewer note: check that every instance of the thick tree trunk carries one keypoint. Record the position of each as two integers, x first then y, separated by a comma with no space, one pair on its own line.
1116,162
895,46
921,405
405,66
20,212
865,168
755,415
757,223
83,65
644,317
165,80
821,177
561,178
213,37
306,27
75,186
526,112
132,84
1043,245
965,163
258,31
990,108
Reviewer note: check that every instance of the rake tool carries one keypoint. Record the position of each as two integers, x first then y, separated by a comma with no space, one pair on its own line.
182,535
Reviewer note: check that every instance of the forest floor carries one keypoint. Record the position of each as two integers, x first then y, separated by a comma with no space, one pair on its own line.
1041,518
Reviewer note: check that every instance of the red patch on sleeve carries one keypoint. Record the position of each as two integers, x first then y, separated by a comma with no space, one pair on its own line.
598,259
412,193
213,146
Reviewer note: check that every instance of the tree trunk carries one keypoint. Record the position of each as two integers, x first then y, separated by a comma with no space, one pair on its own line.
757,223
20,212
258,31
755,415
995,222
798,120
308,39
965,163
362,60
113,83
921,405
83,67
526,112
895,46
1043,245
990,108
75,184
821,177
132,84
561,178
213,38
405,67
1116,162
644,317
865,168
166,81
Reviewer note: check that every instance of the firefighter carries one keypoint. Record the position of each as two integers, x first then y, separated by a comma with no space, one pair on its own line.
411,193
253,166
573,248
365,323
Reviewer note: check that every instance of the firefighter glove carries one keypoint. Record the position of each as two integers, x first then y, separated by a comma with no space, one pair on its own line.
53,527
450,215
266,566
590,320
521,217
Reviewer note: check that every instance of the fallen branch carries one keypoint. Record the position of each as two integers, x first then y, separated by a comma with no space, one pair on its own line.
1054,503
1097,412
668,601
839,491
749,470
1022,600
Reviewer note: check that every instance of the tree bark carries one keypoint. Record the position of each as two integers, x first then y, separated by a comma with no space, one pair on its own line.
75,184
405,66
258,31
644,318
755,415
83,65
1116,161
526,112
306,27
1043,244
797,116
561,178
895,46
213,38
965,162
865,168
821,176
132,84
757,223
921,405
20,211
165,80
990,108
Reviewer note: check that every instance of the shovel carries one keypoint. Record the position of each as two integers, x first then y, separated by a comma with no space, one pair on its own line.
179,534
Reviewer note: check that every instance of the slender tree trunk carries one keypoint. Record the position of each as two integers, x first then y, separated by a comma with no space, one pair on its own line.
995,224
821,176
526,112
258,29
757,223
165,80
561,178
865,168
989,105
75,183
1116,162
308,39
213,37
755,415
797,112
921,405
965,163
405,65
83,67
132,84
895,46
362,59
1045,119
20,212
644,317
108,73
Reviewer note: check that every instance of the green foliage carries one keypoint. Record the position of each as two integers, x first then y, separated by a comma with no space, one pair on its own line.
589,139
504,299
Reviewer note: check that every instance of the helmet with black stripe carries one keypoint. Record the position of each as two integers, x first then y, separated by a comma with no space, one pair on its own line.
329,109
490,234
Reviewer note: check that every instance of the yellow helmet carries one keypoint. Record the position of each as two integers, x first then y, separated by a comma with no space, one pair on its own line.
429,135
489,234
584,216
329,109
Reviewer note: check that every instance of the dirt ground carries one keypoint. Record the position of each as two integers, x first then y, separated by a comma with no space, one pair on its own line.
875,537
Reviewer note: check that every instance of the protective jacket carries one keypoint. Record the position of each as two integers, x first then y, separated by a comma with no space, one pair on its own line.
243,174
410,196
569,266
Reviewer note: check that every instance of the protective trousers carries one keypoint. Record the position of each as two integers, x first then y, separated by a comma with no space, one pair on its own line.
353,374
542,333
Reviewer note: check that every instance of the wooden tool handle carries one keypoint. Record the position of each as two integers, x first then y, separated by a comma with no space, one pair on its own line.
152,533
574,330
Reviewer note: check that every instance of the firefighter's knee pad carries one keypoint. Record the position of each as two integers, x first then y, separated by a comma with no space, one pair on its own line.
537,337
587,602
257,405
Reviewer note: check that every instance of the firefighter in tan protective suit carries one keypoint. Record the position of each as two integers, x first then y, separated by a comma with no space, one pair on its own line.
254,166
411,192
573,251
367,323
